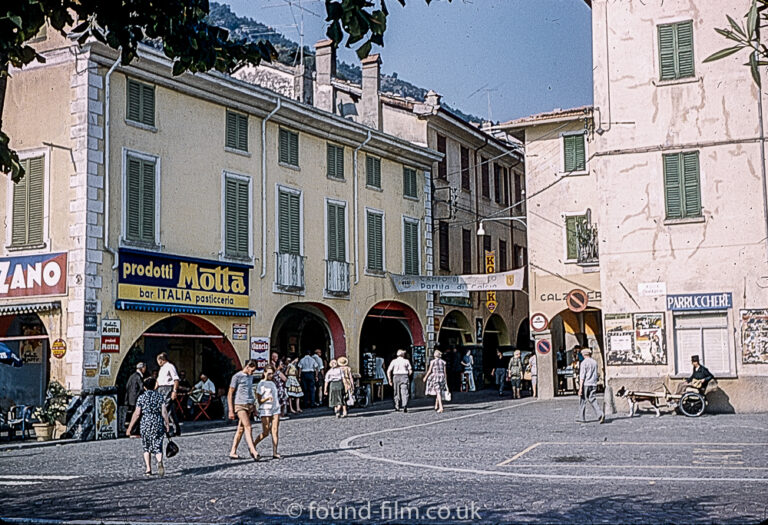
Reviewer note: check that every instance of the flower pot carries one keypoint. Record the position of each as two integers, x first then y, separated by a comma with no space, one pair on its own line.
43,431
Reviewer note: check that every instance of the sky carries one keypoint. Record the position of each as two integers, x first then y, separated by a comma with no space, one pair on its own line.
527,56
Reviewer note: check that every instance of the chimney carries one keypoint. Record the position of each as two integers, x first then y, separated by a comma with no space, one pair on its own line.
325,66
432,99
370,103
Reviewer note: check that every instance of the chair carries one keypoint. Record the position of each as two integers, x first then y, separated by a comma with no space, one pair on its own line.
202,406
20,418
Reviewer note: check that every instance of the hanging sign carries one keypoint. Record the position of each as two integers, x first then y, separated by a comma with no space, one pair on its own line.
511,280
110,336
490,262
490,301
240,331
59,348
33,275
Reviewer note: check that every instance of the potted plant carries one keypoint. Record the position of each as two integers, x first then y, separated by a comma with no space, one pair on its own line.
54,407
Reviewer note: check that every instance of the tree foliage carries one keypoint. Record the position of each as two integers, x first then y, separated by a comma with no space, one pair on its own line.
746,36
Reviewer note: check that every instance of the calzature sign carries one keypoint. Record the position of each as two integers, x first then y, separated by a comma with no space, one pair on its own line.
700,301
153,278
33,275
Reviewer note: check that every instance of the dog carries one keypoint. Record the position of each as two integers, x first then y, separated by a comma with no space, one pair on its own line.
635,398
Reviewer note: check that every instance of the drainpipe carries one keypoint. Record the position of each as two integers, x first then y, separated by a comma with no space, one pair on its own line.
762,152
107,155
355,203
264,188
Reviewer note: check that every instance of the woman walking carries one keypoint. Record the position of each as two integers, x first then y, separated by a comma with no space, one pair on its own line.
293,386
468,362
349,381
435,380
150,407
269,411
280,380
334,389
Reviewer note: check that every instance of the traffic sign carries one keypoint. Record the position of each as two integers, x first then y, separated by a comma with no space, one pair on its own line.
544,346
577,300
539,322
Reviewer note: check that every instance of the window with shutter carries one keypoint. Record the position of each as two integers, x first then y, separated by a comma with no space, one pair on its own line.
676,58
140,101
411,247
682,185
335,161
410,188
486,179
375,241
466,251
497,183
337,250
574,153
236,228
29,204
442,170
486,243
445,249
140,200
571,235
289,222
289,147
464,168
505,173
705,335
373,172
502,263
237,131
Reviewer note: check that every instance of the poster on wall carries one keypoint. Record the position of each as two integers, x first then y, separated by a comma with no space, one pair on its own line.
635,339
31,349
754,337
105,362
260,351
106,417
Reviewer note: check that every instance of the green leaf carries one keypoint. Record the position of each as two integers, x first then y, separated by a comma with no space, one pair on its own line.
16,21
752,20
755,69
364,50
723,53
736,26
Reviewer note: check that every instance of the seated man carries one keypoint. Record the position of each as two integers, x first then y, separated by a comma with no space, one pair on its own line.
203,390
699,379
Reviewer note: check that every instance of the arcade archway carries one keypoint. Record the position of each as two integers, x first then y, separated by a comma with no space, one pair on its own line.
26,336
495,336
308,326
387,327
455,331
568,330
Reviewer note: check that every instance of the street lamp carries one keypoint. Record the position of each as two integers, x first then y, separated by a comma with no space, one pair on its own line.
481,230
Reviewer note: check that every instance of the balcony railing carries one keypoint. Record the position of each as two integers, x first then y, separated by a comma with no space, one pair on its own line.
588,244
290,271
337,277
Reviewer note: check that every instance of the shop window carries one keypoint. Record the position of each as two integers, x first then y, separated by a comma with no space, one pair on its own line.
411,246
705,335
29,205
140,101
237,131
289,147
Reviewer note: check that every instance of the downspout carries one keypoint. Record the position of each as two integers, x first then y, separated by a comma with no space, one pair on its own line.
264,188
762,154
107,155
355,204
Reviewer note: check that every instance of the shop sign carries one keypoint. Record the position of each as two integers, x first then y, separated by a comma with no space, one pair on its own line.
33,275
490,301
455,301
240,331
490,262
539,322
106,417
110,335
153,278
439,310
651,289
544,346
260,351
91,323
105,367
699,301
59,348
593,296
419,357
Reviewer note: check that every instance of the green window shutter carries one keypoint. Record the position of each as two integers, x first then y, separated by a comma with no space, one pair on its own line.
236,217
375,238
336,229
133,200
294,148
339,162
19,228
335,161
574,154
691,184
571,239
243,226
580,153
409,183
411,247
36,200
140,102
672,186
242,132
148,202
231,131
230,216
667,54
289,225
148,105
284,154
685,62
133,101
373,172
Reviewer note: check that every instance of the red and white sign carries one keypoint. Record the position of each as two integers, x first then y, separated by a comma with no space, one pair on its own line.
539,322
577,300
33,275
260,351
544,346
110,336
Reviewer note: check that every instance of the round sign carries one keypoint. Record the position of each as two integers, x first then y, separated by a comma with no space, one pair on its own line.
577,300
59,348
539,322
544,346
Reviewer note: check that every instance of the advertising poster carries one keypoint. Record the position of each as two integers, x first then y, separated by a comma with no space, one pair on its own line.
31,350
649,339
110,335
619,337
754,337
106,417
635,339
33,275
260,351
240,331
105,360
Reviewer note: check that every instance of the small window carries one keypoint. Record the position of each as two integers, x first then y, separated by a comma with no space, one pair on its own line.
445,249
442,170
411,246
236,213
486,179
464,168
29,204
410,188
141,103
487,242
505,176
676,51
337,248
237,131
289,147
335,159
466,251
502,261
375,222
497,183
682,186
572,236
574,153
289,222
373,172
140,200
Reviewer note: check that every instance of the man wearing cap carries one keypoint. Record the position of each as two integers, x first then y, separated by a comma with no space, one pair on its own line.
399,374
133,389
699,379
588,387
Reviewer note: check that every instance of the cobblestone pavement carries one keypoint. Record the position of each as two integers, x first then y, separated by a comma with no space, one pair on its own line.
485,459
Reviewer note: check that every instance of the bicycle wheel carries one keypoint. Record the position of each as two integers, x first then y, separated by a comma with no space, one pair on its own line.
692,404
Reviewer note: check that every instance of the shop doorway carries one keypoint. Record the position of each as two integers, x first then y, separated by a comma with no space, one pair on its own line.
570,329
27,337
524,336
308,326
194,345
387,327
495,336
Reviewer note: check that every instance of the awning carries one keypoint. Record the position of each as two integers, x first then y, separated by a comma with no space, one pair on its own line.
29,308
182,309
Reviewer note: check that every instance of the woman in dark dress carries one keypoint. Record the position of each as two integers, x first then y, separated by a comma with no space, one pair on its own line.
150,407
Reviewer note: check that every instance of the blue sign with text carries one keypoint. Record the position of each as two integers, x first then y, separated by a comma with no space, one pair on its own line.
699,301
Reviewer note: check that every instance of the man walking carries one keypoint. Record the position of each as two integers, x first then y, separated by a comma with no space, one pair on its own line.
168,386
133,389
588,387
242,402
399,375
318,357
499,371
309,372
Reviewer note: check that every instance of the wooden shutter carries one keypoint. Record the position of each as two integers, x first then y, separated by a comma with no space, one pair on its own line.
148,104
466,251
667,54
336,230
335,161
442,170
237,229
464,168
375,242
672,186
133,199
28,212
237,131
230,215
289,222
574,153
294,148
231,132
691,184
373,171
571,238
133,101
497,183
242,132
486,179
20,226
685,62
289,147
411,247
506,186
410,188
486,243
445,261
502,256
140,102
148,202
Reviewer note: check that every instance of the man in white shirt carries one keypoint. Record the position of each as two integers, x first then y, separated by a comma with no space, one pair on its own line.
309,372
588,387
168,386
203,390
399,375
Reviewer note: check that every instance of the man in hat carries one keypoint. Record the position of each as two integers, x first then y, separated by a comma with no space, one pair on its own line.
699,379
399,376
133,389
588,387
